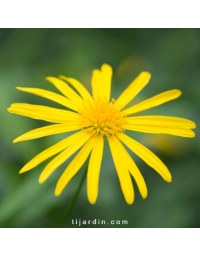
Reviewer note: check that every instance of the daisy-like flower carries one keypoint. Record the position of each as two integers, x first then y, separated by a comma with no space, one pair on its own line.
95,118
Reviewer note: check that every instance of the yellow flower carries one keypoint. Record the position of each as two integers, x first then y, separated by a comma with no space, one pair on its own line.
96,117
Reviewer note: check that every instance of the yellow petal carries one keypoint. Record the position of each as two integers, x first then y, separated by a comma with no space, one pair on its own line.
51,96
62,157
96,83
134,88
128,161
58,147
153,101
47,130
75,165
43,113
107,72
122,171
147,156
183,132
161,124
66,90
94,170
164,121
79,87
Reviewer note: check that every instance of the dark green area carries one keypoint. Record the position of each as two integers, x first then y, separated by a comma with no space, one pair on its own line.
172,56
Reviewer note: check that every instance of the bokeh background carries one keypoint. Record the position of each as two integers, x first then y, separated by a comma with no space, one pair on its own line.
172,56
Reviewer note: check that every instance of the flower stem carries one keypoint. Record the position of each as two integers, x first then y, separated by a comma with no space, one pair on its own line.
72,203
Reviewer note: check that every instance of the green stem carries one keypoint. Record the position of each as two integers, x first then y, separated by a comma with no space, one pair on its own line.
73,201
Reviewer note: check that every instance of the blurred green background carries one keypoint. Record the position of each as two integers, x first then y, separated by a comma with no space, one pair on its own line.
172,56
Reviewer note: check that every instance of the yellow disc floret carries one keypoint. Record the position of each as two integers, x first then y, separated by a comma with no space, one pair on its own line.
101,117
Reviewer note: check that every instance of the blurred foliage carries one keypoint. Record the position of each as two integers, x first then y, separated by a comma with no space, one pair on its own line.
172,56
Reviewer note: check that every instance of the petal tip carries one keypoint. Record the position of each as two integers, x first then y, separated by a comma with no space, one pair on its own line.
92,200
106,66
57,192
48,78
144,196
95,71
194,125
169,180
168,176
192,134
129,202
18,139
146,73
129,199
23,170
41,180
179,92
62,77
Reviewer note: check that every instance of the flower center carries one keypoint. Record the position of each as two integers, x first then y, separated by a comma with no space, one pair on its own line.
101,117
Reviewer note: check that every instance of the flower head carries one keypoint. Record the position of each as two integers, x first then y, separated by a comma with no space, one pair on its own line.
96,118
